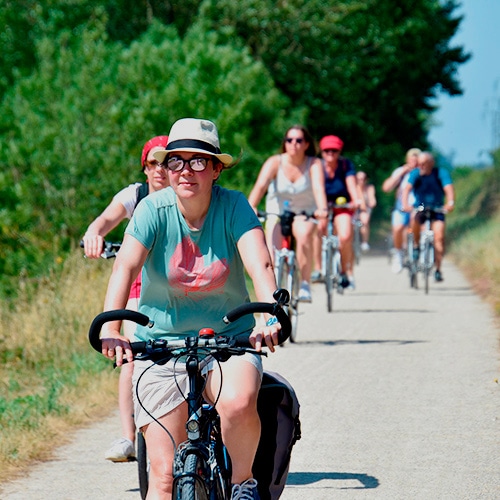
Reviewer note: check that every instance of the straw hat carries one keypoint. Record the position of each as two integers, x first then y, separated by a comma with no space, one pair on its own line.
193,135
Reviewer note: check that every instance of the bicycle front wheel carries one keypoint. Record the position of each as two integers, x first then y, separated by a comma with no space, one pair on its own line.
428,262
142,465
329,278
192,483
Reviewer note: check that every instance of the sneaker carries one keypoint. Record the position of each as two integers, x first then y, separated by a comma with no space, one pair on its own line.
305,292
438,276
396,261
316,277
365,247
122,450
352,283
247,490
344,281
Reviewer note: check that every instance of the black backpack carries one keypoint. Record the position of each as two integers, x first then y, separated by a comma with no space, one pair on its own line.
278,409
142,192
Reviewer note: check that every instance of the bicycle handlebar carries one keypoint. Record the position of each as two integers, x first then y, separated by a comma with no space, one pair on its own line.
241,340
109,249
430,208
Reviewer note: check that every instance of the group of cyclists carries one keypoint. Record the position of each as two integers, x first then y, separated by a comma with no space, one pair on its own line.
418,182
187,248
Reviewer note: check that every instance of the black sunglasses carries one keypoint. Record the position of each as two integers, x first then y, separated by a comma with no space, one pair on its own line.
176,163
297,140
331,150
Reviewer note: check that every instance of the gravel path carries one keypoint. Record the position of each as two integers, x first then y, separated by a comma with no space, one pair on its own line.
399,400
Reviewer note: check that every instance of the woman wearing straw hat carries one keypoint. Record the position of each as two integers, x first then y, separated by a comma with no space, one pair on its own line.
194,240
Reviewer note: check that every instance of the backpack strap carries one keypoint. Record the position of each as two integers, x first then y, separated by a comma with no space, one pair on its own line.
435,173
142,192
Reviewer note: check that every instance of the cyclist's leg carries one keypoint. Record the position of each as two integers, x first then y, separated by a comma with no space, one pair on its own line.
343,227
438,226
317,242
161,451
125,400
303,231
400,221
364,217
237,407
273,234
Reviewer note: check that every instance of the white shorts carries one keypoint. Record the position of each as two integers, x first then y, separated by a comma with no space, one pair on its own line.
164,387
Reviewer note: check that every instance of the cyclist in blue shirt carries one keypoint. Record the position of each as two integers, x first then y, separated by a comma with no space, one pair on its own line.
431,186
194,241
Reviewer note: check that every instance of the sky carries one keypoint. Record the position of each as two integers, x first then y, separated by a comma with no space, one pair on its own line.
466,128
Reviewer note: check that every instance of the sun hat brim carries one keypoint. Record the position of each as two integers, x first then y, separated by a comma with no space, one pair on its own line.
194,146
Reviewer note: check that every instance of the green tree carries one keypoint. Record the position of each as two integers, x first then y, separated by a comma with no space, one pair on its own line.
365,69
72,132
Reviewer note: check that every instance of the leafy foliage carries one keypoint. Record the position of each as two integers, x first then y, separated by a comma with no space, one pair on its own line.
72,132
365,69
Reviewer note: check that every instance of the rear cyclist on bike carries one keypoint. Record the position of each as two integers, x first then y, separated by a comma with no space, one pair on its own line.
340,182
431,186
294,177
122,207
194,241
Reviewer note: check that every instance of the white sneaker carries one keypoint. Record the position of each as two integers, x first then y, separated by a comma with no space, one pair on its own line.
305,292
352,283
396,261
365,247
121,450
247,490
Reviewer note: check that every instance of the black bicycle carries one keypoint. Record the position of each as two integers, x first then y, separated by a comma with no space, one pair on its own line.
286,266
202,466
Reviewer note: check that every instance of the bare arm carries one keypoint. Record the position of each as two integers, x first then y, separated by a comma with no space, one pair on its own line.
449,192
126,268
354,192
93,239
257,261
394,180
372,199
266,175
404,198
318,186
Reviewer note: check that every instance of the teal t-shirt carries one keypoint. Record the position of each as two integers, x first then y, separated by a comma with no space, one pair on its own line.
192,278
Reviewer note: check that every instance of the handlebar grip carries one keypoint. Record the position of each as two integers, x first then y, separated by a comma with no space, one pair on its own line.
116,315
260,307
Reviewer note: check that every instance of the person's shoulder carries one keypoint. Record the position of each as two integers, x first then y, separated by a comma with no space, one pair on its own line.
163,197
225,194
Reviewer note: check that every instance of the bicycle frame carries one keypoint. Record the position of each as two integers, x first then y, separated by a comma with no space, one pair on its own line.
331,266
287,271
426,246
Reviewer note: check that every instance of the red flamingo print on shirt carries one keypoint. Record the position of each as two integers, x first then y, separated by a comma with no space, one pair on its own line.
189,273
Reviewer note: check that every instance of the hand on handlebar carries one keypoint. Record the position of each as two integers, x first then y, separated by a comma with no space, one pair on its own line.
117,348
93,245
265,336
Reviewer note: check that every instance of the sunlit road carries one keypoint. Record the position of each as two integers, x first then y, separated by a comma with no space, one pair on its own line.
399,400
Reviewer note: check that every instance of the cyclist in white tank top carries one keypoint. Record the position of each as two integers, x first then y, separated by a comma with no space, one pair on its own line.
299,194
296,176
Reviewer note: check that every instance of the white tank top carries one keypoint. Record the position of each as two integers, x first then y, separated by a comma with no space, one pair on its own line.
299,194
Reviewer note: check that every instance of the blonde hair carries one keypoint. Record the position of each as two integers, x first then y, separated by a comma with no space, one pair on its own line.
412,152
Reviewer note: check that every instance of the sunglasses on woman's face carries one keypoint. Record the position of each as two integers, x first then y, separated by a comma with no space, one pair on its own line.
298,140
197,164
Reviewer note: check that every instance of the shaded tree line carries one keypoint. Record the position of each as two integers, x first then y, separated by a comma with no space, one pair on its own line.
84,84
